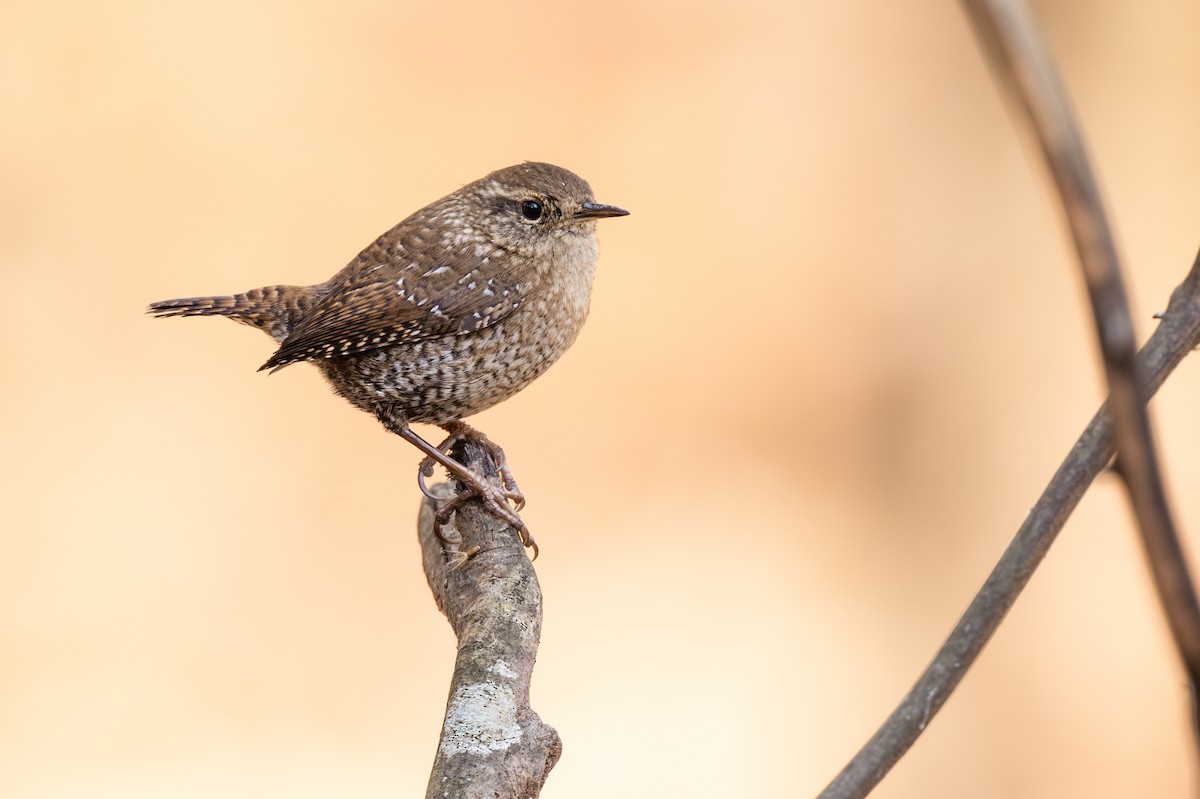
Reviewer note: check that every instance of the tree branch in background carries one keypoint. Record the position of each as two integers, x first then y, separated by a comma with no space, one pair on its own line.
492,744
1022,61
1177,335
1011,40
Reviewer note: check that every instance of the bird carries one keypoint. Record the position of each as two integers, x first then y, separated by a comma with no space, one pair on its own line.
453,310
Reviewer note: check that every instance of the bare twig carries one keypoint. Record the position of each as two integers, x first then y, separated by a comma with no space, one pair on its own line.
1022,60
1177,335
493,744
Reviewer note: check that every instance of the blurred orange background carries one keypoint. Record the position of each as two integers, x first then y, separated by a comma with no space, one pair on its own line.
834,355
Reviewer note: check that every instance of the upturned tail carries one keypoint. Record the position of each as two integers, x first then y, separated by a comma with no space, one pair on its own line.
275,310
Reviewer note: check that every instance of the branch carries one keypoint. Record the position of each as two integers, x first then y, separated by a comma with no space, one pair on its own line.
1020,58
1176,336
1011,40
493,744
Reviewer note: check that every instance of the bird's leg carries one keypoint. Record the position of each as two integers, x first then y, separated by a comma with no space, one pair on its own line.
494,499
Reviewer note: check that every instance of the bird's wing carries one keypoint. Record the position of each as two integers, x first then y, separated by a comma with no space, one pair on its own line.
394,293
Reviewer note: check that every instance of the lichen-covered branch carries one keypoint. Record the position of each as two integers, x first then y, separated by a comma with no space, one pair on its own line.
493,744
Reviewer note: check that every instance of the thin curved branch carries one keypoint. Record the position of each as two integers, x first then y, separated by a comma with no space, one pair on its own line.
1177,335
492,743
1020,58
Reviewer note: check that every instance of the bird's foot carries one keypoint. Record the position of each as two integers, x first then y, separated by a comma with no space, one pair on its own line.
461,431
495,500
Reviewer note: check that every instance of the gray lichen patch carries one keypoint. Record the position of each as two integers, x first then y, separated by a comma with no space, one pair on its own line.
503,669
480,719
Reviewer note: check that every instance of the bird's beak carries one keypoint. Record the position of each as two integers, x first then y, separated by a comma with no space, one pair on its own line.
597,211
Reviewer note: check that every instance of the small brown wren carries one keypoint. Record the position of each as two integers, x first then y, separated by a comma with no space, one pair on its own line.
453,310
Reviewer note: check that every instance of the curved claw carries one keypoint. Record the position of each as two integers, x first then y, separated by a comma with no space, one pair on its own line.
512,494
528,541
423,471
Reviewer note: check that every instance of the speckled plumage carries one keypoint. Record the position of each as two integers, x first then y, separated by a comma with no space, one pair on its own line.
455,309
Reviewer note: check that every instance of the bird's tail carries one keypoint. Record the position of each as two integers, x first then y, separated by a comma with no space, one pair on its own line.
273,309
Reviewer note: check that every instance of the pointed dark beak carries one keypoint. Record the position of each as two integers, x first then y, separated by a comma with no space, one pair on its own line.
597,211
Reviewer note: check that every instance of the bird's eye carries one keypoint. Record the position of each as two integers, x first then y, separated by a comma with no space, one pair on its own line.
532,210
